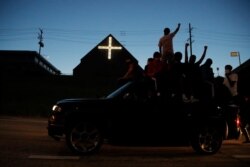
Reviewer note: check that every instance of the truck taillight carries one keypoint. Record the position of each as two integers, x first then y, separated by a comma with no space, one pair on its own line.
237,121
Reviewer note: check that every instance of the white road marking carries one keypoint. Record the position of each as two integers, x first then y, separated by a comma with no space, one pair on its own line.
54,157
242,156
20,119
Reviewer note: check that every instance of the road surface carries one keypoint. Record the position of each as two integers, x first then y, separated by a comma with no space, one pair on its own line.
24,143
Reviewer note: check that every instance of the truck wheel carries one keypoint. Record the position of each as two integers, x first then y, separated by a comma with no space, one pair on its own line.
207,140
84,138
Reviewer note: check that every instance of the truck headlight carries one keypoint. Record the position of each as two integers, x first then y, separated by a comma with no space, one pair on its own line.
56,108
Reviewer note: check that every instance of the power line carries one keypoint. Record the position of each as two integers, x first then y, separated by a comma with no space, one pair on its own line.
92,36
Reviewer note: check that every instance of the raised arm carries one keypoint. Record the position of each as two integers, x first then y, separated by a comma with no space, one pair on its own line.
177,29
202,56
186,52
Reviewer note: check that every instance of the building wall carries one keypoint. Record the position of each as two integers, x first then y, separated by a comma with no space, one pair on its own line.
35,96
25,63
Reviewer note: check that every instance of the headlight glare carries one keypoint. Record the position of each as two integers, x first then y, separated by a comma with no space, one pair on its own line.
56,108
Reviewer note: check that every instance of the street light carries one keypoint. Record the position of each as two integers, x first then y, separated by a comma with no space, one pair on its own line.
236,54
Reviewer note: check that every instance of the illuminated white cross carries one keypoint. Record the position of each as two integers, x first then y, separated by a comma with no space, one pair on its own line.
110,47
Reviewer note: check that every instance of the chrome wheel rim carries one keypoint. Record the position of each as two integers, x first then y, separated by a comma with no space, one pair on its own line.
210,140
85,138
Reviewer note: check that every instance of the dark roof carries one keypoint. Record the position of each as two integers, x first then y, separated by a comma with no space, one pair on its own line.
28,60
243,67
97,63
244,77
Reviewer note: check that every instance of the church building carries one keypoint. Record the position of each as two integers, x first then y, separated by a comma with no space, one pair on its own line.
105,62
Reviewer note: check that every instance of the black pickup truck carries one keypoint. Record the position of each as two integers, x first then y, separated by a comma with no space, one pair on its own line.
131,115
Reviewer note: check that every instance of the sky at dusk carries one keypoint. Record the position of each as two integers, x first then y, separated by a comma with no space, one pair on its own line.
72,28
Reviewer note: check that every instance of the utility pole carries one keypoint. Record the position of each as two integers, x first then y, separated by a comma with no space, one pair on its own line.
40,37
190,39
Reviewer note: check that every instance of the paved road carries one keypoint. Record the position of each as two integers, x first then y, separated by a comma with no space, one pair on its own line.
24,142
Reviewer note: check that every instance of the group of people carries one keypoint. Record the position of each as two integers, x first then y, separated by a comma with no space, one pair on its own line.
174,78
188,81
231,83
